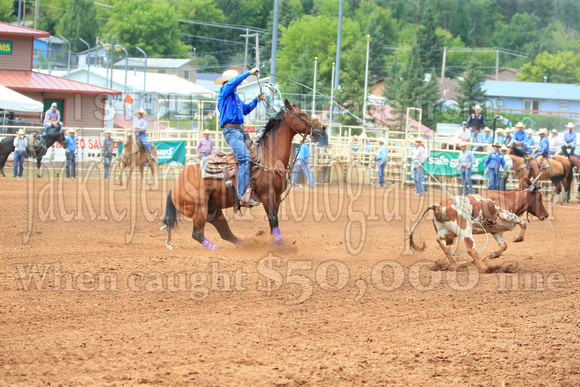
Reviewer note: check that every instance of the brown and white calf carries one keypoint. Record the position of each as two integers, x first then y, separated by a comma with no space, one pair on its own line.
494,212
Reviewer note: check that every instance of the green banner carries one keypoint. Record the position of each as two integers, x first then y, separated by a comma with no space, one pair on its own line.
445,163
167,151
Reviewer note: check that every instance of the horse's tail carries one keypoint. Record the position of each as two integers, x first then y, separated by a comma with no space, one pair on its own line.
412,243
170,217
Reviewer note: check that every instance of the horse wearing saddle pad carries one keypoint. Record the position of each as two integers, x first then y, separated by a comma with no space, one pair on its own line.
222,166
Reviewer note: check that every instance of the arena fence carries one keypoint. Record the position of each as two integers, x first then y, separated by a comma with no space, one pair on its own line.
348,157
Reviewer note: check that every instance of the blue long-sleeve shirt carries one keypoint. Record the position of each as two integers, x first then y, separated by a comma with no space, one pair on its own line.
530,142
488,138
304,152
382,154
518,136
478,139
543,147
494,161
570,138
466,159
140,123
500,139
232,109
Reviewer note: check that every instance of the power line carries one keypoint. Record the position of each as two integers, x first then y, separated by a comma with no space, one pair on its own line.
204,37
223,25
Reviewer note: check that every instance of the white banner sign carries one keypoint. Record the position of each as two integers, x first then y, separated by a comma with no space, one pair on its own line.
88,149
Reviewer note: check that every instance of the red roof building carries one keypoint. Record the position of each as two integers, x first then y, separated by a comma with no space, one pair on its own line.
81,105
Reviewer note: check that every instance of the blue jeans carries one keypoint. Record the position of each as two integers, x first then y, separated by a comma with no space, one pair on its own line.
419,179
502,182
107,163
47,127
302,164
235,138
466,181
18,162
143,138
382,174
202,156
493,177
71,164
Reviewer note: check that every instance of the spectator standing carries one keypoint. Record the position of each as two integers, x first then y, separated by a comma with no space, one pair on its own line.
554,143
476,120
381,157
204,146
20,145
71,147
302,163
419,157
465,163
494,163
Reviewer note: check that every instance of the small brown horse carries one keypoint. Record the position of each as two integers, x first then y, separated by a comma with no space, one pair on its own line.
134,155
204,199
575,161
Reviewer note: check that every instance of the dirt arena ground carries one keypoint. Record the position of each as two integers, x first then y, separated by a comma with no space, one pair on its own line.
89,295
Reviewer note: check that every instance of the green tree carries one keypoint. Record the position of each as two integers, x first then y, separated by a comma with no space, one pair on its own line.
6,11
470,88
429,44
80,20
321,43
517,34
563,67
382,27
151,26
407,87
49,16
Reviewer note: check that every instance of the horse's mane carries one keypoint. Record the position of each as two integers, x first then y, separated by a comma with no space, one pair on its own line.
271,125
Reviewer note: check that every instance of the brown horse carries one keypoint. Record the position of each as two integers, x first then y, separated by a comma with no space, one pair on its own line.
575,161
134,155
204,199
559,172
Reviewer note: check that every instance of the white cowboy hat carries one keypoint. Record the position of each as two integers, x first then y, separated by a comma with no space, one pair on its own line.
206,131
487,129
419,139
570,125
554,131
363,135
503,147
141,111
20,131
520,125
108,131
500,130
462,143
477,107
381,139
529,131
70,130
543,131
226,76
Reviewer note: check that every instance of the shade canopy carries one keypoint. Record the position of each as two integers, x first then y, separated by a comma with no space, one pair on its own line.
13,101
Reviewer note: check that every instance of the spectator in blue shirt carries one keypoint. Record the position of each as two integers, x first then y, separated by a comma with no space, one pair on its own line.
302,163
487,136
20,145
232,111
518,141
569,140
465,162
543,149
493,163
530,142
71,147
500,136
381,157
477,138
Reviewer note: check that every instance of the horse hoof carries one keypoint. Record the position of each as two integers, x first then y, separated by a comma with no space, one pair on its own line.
238,241
169,247
519,239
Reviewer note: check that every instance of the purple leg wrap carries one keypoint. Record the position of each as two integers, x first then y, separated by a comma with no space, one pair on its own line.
210,246
277,236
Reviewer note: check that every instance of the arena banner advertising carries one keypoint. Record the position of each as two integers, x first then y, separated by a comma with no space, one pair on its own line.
88,149
442,163
168,152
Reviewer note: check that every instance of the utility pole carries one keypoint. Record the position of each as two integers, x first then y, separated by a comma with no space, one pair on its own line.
246,35
443,67
35,13
274,42
338,44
